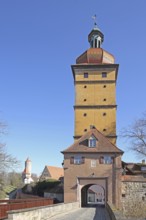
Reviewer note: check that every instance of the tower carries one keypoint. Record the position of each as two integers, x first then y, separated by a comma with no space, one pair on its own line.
94,159
95,75
26,175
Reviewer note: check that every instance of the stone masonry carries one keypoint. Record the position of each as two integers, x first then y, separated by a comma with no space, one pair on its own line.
134,196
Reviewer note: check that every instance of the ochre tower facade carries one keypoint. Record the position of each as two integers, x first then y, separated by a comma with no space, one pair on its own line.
95,75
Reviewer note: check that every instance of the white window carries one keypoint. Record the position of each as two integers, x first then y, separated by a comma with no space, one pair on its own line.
93,163
92,141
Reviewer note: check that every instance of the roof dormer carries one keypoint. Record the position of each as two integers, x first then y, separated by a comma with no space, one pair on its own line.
92,141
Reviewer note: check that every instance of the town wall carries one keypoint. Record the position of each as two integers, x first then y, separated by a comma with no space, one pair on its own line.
134,196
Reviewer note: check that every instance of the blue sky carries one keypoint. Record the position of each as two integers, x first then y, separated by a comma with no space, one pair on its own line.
39,40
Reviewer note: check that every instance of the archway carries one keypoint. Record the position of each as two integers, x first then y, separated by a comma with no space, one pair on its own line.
92,195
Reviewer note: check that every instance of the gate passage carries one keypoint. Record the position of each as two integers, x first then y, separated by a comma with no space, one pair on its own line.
95,195
92,194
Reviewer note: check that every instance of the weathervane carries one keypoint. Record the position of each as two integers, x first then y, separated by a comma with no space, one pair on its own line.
94,18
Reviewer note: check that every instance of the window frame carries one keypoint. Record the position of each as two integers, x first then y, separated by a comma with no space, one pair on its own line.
106,159
92,142
86,75
104,74
77,159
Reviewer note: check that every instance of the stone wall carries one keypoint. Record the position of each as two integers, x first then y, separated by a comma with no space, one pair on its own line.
41,213
134,196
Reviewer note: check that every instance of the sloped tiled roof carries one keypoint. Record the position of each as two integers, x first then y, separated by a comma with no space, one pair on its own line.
134,168
103,144
55,172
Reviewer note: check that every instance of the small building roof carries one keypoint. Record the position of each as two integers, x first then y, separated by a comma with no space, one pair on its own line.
55,172
103,145
134,168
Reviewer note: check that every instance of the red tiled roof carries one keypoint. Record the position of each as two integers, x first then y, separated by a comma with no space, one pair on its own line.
55,172
103,144
95,56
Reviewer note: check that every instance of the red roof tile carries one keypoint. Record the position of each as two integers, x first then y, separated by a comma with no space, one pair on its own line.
55,172
102,145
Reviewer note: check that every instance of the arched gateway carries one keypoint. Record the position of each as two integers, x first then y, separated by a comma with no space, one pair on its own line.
92,195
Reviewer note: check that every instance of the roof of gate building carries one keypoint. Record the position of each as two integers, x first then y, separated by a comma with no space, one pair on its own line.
102,144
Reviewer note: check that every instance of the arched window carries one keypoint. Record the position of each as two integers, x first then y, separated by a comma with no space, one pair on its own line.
99,43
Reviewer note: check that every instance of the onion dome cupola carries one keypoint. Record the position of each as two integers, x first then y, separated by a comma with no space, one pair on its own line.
95,54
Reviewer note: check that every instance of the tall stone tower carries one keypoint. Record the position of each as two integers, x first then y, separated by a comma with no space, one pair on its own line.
95,75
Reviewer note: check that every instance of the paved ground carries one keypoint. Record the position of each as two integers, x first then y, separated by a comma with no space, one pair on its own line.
98,213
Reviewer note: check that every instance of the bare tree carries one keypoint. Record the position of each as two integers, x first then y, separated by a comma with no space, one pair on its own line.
136,134
7,161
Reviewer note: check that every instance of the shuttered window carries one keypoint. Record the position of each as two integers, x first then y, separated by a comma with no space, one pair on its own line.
77,159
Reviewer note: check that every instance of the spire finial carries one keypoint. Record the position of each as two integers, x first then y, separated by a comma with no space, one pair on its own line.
95,20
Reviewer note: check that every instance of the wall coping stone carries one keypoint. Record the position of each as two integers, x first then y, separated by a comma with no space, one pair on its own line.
42,212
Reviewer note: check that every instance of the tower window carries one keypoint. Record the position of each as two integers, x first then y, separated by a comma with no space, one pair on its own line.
92,43
104,86
104,129
99,44
104,74
104,100
85,130
96,43
92,141
85,114
104,114
85,100
85,75
85,87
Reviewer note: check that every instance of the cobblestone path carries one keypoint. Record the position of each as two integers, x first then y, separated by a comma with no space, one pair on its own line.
97,213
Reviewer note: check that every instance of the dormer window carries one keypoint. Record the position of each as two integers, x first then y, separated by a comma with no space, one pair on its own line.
92,141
